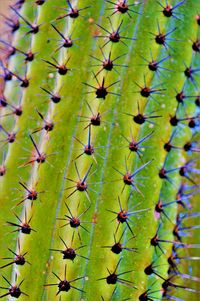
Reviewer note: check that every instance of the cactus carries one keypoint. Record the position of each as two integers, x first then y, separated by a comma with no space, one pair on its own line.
99,133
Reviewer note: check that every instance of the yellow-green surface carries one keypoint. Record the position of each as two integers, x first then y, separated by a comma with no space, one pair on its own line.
50,177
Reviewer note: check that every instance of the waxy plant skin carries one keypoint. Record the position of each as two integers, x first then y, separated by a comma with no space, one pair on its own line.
99,150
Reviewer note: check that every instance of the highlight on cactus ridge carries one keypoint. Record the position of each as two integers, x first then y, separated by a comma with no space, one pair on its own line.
100,143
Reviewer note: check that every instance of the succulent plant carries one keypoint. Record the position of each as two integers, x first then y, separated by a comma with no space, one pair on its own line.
100,150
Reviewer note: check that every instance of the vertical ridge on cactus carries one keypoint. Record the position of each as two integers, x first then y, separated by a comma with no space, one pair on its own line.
155,247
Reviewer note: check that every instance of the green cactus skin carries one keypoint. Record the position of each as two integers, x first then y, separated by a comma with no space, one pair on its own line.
61,144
